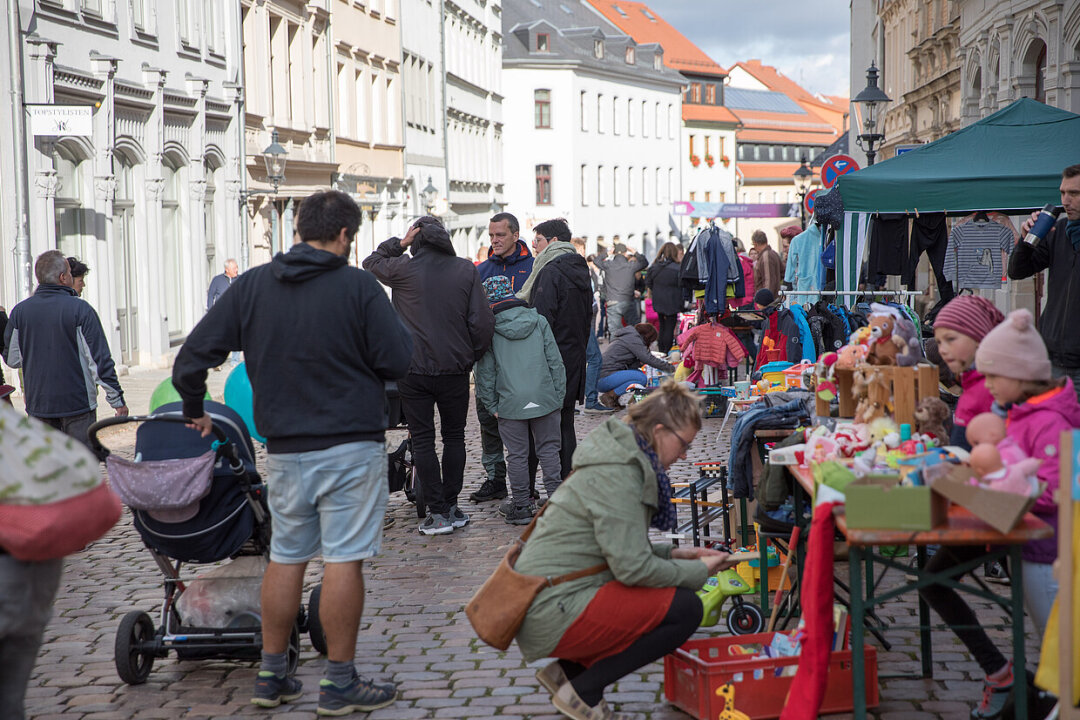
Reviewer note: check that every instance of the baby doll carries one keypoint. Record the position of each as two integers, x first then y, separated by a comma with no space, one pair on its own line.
998,462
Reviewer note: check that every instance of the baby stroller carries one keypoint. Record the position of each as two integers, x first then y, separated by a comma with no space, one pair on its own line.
402,471
193,500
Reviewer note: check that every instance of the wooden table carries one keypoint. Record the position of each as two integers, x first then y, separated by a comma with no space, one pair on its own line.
960,528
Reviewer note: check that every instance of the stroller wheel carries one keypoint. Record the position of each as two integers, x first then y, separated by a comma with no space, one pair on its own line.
415,491
293,651
315,628
745,619
134,649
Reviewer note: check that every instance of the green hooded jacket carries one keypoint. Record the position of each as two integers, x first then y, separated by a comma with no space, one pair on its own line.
601,513
521,376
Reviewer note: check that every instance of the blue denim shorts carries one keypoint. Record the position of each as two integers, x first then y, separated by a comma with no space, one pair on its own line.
329,502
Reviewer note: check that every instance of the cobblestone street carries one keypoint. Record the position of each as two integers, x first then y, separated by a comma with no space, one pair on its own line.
415,631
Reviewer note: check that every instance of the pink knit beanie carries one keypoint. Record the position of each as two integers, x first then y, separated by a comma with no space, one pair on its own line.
1014,349
971,315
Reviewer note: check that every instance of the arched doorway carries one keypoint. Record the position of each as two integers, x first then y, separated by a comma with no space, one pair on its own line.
124,259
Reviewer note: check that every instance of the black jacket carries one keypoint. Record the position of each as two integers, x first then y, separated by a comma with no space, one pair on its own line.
662,279
439,298
1062,291
319,339
57,339
562,293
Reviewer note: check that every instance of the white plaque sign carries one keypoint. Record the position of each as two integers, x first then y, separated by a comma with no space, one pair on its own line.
75,120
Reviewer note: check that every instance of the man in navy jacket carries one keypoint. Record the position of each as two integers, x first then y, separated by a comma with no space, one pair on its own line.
57,340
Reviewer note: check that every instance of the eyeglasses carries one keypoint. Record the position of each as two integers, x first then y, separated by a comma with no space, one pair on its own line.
686,445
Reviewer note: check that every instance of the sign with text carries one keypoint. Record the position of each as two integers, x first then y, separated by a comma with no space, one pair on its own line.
736,210
55,120
834,167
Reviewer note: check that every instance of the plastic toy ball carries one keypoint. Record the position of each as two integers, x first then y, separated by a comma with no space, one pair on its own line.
166,393
239,397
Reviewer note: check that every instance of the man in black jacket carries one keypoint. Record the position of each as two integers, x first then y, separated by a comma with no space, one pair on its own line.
1059,251
560,290
320,339
440,298
58,341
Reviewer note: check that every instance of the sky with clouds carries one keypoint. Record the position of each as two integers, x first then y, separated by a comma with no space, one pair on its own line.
807,41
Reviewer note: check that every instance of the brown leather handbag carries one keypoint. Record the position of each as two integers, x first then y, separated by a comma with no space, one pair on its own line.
498,608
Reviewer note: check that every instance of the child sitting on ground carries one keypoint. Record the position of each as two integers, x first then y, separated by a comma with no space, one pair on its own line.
522,381
958,329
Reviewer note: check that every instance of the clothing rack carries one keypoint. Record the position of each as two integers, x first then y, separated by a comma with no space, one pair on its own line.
905,295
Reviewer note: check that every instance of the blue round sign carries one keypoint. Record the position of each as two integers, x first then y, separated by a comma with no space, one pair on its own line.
836,166
808,201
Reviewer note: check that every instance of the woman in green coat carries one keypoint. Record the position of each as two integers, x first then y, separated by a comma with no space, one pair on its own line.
604,626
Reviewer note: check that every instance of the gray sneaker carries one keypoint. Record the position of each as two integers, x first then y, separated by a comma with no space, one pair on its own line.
598,409
436,524
520,515
360,695
457,518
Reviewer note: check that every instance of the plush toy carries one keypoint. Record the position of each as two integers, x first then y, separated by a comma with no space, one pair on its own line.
932,418
882,349
881,428
850,440
905,338
867,409
1018,478
851,355
861,336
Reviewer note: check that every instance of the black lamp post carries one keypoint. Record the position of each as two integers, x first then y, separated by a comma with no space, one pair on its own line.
429,194
803,177
274,157
867,104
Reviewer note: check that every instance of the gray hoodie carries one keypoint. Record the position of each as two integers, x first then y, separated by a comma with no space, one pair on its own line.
627,351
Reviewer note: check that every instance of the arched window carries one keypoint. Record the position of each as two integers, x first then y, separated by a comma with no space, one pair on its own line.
70,215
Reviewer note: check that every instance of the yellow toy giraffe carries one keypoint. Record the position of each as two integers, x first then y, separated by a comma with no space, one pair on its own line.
729,712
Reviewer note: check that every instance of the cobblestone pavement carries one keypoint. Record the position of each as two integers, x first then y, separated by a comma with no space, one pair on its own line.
414,632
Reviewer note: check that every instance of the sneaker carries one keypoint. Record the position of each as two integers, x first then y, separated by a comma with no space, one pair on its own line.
996,694
520,515
360,695
598,408
388,521
552,677
435,524
272,690
490,490
457,518
508,504
994,572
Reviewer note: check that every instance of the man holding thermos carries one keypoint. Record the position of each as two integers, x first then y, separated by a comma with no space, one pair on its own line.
1057,247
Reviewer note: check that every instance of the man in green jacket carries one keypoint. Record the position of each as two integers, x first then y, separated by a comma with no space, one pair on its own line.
522,381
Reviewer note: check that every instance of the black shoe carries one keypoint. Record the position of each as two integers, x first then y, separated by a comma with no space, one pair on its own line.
994,572
490,490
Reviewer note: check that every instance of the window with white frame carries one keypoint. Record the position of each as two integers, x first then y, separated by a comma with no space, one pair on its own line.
140,15
584,184
184,22
615,124
584,113
630,118
615,186
598,49
631,56
213,12
599,113
543,184
644,186
600,185
630,174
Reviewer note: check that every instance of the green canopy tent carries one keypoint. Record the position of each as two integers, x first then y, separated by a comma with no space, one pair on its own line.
1009,161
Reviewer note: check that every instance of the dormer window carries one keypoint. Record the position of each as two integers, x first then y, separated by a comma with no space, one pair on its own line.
598,49
630,56
541,42
656,62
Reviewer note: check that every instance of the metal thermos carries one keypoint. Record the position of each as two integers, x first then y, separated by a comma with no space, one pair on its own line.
1047,218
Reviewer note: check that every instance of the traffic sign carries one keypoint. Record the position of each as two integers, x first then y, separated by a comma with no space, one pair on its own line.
836,166
808,201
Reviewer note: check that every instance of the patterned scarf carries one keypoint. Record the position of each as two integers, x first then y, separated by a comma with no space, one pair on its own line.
665,517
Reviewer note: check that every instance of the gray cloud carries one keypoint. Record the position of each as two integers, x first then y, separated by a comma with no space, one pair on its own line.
807,41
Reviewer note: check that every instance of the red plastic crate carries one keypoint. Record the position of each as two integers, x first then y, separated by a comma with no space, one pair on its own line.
694,672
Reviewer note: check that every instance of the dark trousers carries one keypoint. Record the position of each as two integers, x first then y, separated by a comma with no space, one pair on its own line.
667,332
952,609
420,395
491,445
75,426
569,440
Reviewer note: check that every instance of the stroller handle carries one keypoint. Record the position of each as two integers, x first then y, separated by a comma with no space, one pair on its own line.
103,451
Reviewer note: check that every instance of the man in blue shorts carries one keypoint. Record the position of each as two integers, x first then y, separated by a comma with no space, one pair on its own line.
320,339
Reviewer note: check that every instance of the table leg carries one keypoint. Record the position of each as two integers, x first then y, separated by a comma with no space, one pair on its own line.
1020,686
858,659
924,621
744,522
763,566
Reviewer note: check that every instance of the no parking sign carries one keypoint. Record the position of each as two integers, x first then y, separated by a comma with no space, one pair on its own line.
836,166
808,201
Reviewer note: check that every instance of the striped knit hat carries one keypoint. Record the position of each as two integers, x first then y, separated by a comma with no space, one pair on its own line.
969,314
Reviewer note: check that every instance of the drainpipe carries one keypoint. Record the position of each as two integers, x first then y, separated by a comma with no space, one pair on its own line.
22,182
445,138
241,114
331,73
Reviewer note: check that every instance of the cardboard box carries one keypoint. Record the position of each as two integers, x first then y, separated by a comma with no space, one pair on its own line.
1000,510
879,502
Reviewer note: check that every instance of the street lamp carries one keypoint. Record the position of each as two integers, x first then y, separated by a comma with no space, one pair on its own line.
495,207
802,177
274,157
869,114
429,194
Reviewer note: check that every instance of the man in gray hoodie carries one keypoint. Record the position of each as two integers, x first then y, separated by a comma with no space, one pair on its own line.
620,270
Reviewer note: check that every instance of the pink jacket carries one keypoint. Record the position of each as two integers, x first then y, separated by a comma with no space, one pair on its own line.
1036,427
974,399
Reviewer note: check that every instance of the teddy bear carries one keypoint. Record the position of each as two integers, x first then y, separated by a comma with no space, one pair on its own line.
869,407
882,348
932,417
908,349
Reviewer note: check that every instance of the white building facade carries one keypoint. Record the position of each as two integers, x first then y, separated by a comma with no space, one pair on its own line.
149,197
594,128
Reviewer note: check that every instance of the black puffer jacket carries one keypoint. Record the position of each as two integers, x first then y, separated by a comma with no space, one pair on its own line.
440,299
562,293
662,279
1062,291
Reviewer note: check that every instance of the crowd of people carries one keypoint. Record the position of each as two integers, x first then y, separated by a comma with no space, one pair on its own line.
522,327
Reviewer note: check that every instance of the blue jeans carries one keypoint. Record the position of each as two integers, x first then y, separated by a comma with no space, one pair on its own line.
620,380
330,500
593,360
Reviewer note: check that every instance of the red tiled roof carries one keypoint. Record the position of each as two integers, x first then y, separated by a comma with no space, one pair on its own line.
832,109
710,113
679,52
759,171
750,134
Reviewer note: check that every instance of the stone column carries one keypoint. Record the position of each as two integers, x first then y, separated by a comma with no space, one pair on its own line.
100,253
41,54
153,329
193,249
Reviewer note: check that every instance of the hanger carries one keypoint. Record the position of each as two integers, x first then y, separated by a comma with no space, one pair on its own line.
981,216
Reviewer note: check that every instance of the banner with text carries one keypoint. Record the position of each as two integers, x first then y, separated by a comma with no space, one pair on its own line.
736,210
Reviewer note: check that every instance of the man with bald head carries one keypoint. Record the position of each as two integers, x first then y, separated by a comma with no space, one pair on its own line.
57,340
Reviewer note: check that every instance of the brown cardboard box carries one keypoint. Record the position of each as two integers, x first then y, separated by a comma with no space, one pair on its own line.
1000,510
879,502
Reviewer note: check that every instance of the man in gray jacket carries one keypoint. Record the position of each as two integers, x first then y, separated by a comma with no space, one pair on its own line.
619,276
